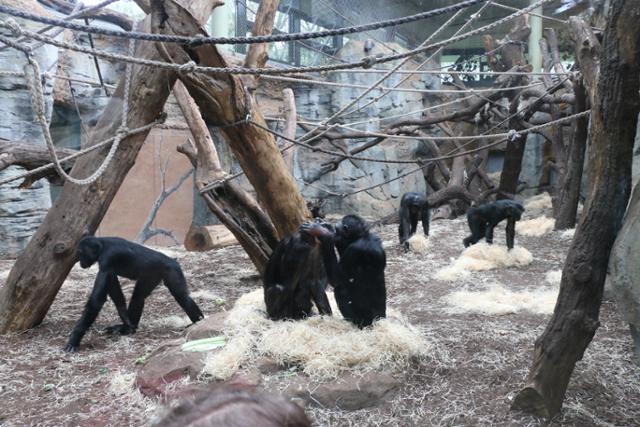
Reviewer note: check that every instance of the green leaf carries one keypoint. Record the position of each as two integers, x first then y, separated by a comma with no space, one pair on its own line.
204,344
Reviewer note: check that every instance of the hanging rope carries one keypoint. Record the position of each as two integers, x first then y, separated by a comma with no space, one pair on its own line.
32,74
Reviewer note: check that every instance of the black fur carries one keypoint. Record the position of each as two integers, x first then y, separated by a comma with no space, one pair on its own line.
358,278
120,257
413,206
483,219
294,277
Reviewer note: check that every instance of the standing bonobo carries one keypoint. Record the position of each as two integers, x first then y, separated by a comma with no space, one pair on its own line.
413,206
120,257
295,276
484,218
358,278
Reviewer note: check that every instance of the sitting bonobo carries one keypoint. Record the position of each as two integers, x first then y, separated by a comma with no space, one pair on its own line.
483,219
358,278
120,257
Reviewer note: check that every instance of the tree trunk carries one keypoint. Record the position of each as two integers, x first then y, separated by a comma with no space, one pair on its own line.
223,100
31,156
39,272
576,315
569,188
233,206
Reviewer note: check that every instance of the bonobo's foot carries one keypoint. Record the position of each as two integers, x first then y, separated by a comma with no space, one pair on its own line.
405,246
466,242
71,348
120,329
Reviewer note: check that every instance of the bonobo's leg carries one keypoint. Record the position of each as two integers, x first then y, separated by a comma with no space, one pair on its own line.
91,310
278,298
319,295
477,226
115,292
177,284
425,219
511,232
141,291
414,221
404,230
489,233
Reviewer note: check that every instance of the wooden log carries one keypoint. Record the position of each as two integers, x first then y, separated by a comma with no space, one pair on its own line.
207,237
45,263
30,156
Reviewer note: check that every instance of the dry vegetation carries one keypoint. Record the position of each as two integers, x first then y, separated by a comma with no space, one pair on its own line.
476,359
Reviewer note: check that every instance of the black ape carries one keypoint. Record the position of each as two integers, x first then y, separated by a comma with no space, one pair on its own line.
484,218
413,206
119,257
358,278
294,276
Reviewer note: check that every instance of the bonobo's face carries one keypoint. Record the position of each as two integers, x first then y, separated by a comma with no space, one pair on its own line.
88,253
351,228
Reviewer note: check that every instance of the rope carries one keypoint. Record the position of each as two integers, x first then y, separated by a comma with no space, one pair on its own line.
38,105
198,41
366,62
47,75
395,88
38,170
412,171
426,61
461,73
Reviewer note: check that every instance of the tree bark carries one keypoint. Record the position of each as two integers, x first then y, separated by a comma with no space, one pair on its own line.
30,156
569,188
39,272
223,100
576,315
290,124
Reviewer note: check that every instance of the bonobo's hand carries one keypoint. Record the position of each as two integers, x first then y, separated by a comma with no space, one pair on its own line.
316,229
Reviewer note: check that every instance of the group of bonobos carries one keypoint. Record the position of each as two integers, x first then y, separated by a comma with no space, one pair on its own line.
296,275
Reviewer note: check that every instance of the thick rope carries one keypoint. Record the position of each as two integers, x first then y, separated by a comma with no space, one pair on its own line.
395,88
197,41
38,106
366,62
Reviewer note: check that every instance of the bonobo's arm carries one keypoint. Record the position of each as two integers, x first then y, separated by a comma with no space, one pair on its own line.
91,310
334,271
511,232
425,218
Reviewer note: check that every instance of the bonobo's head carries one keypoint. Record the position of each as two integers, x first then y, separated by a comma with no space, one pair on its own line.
88,251
350,229
515,210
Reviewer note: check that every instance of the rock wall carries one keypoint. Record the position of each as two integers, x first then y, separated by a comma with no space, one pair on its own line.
21,211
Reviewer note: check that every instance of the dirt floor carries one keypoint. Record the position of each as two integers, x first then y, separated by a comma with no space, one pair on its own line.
479,360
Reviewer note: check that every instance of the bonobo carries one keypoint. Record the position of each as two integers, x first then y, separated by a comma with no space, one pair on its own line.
295,276
358,278
484,218
120,257
413,206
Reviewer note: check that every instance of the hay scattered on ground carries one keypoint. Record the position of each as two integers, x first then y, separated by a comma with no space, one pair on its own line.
539,202
208,295
553,277
568,234
321,346
172,322
483,256
497,299
536,227
418,243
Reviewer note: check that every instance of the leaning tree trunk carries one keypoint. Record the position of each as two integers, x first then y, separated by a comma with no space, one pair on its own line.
39,272
223,100
233,206
616,103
